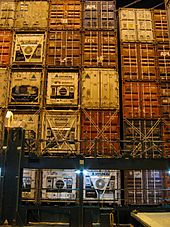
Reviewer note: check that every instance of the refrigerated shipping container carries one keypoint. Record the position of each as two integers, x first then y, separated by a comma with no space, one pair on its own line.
28,48
142,138
138,61
102,186
100,133
7,14
140,100
29,184
160,19
99,49
59,185
60,132
63,49
30,122
143,187
165,99
25,88
4,87
100,88
163,53
136,25
65,14
31,15
99,15
62,88
5,47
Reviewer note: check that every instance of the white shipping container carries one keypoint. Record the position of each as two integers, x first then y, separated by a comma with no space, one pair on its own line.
31,14
59,185
25,88
28,184
62,88
4,87
30,123
60,130
136,25
7,13
28,48
100,88
102,186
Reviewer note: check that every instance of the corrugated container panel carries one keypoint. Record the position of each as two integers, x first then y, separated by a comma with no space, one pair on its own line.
31,14
5,47
136,25
25,88
165,99
102,186
160,20
166,137
140,100
100,88
163,53
4,87
142,138
59,185
28,48
28,184
143,187
65,14
99,49
7,13
60,129
100,133
62,88
63,49
99,15
138,61
30,122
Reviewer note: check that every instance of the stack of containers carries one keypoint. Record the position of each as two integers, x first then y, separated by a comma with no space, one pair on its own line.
143,33
99,80
7,11
60,118
27,67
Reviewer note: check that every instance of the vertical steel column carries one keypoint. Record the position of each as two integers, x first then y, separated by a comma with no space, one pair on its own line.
11,183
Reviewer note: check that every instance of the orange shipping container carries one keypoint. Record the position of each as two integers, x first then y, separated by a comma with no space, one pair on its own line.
100,133
5,47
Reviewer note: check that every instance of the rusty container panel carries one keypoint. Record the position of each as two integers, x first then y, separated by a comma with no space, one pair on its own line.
127,25
5,47
163,53
28,48
100,133
30,122
143,187
160,20
141,100
31,14
166,138
138,61
165,99
4,87
7,14
62,88
28,184
25,88
63,49
142,138
65,14
99,49
100,88
99,15
60,130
